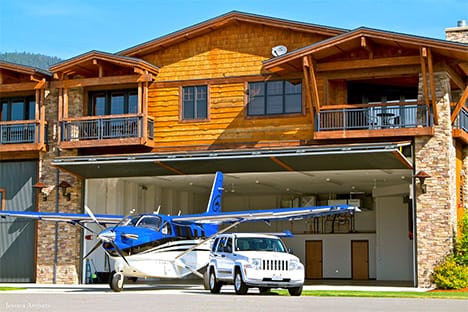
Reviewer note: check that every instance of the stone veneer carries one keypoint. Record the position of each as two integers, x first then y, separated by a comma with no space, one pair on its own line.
68,245
436,209
459,34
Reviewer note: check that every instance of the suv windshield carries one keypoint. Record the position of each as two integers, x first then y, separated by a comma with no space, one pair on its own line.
259,244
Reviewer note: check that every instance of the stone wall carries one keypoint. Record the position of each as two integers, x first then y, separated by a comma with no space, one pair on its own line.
65,259
436,209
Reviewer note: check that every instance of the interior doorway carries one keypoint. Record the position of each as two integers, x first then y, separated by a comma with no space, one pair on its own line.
314,259
360,259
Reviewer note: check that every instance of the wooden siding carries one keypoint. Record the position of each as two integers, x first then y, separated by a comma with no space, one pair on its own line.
227,123
235,50
225,59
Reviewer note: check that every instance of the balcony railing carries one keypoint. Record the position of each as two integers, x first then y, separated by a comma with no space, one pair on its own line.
374,117
106,127
20,132
461,122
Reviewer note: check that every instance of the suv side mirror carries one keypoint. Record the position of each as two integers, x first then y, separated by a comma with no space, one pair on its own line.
290,251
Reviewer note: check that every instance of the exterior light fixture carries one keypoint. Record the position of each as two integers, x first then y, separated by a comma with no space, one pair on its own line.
63,186
422,176
39,186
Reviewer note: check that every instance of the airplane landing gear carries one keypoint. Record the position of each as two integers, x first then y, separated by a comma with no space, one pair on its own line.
117,282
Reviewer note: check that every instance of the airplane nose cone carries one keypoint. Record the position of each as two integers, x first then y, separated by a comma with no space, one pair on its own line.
106,236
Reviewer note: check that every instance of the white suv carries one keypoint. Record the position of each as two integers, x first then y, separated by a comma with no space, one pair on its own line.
253,260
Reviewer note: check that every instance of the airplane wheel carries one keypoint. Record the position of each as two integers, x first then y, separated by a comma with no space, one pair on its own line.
295,291
239,285
215,286
117,282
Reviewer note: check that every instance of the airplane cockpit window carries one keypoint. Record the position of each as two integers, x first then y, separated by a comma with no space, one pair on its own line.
153,222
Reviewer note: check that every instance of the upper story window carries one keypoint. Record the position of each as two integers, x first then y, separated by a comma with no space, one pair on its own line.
194,102
17,108
274,98
113,102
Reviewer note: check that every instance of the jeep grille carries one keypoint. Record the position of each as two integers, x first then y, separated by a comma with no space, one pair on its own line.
275,265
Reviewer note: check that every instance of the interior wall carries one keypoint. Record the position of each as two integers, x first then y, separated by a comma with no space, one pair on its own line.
394,248
336,252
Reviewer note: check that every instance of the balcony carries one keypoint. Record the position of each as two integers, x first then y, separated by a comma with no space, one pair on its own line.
22,136
460,126
373,120
111,130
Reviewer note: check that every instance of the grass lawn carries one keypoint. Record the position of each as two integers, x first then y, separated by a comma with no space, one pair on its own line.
382,294
11,288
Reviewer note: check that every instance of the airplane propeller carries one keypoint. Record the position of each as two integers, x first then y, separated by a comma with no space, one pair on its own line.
109,236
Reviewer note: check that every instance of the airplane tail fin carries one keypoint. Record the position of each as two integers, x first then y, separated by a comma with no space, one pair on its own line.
214,203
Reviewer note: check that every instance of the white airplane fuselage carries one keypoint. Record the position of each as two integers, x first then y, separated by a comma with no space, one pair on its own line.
165,261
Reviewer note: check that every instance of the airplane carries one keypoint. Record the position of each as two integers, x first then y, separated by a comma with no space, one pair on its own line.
163,246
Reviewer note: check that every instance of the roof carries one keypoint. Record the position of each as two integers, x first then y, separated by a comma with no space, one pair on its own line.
337,44
24,69
221,21
104,56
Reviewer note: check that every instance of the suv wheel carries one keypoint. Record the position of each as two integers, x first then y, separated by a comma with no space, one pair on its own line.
239,285
214,285
295,291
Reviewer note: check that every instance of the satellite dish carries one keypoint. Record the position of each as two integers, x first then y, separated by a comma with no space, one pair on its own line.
279,50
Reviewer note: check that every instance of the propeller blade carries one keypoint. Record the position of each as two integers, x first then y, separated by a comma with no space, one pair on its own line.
119,252
91,214
93,249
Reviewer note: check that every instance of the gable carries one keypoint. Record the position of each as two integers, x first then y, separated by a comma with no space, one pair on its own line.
237,49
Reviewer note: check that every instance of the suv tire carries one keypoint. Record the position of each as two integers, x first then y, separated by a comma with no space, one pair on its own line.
214,285
295,291
239,285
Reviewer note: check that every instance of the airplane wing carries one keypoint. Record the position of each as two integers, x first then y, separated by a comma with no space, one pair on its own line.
62,217
265,215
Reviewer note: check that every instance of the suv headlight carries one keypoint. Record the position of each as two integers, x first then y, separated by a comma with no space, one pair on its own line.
294,265
255,263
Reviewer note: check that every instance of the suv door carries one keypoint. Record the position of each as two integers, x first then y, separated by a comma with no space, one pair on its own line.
224,260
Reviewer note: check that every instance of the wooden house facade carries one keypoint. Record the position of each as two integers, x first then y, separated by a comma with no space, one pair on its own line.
279,104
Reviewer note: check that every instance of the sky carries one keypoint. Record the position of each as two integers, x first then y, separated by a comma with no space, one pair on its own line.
67,28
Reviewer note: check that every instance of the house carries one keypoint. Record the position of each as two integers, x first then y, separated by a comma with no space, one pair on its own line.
293,113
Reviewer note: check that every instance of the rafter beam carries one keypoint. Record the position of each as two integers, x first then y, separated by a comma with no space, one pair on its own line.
368,63
368,46
459,105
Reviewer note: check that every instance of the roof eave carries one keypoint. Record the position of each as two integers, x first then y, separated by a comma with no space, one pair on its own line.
197,29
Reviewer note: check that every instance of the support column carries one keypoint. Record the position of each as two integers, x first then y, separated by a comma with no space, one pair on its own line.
435,209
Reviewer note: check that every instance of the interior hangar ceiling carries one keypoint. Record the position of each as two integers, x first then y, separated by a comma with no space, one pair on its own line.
299,183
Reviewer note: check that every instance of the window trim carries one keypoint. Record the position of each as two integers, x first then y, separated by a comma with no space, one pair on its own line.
108,95
2,199
181,103
279,115
26,99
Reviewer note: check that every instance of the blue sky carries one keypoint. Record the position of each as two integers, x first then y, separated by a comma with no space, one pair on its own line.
66,28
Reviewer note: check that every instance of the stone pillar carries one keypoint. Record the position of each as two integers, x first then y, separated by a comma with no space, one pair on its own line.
436,209
67,259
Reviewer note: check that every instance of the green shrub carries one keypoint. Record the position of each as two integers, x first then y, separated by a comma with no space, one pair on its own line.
453,273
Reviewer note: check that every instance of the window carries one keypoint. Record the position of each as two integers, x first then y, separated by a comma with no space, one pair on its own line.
18,108
113,102
274,98
194,102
